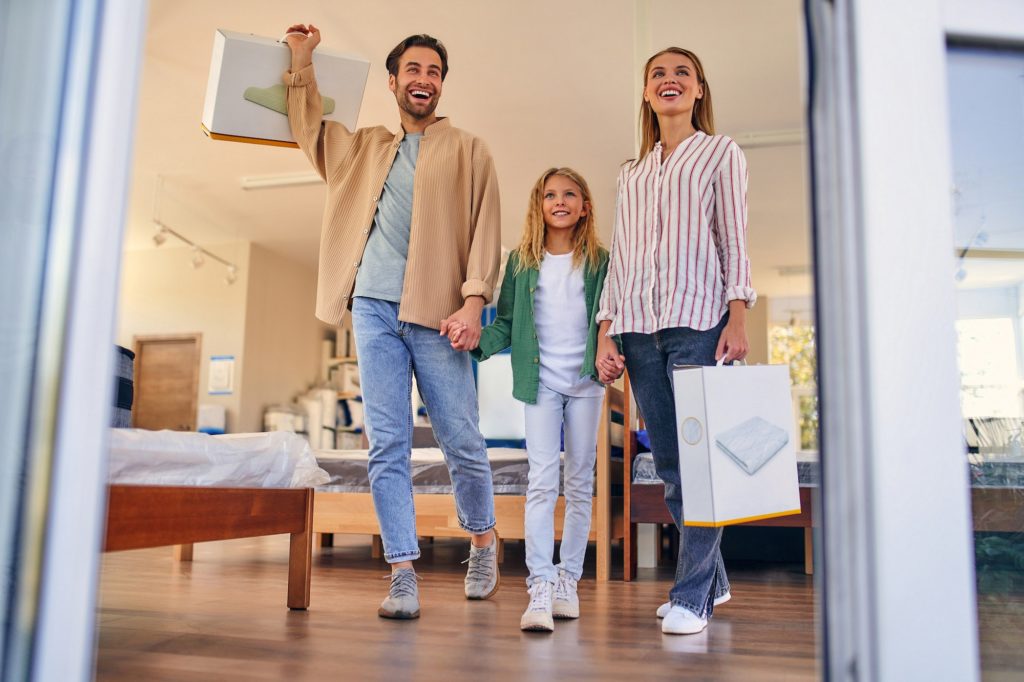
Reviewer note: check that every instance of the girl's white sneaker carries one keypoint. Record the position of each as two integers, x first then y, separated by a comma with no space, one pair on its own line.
567,602
537,616
680,621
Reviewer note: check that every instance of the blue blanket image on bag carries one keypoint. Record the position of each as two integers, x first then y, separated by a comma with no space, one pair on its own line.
752,443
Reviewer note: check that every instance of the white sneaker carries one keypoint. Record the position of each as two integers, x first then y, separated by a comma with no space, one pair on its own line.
664,608
567,602
680,621
537,616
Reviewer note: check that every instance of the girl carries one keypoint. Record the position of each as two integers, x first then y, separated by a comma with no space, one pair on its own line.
678,289
546,311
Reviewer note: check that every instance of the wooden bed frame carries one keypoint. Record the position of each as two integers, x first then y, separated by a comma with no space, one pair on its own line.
141,516
436,515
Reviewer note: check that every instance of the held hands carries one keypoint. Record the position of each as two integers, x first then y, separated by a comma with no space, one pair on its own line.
302,40
463,327
609,362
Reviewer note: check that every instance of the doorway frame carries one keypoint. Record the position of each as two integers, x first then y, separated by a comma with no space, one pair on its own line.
139,341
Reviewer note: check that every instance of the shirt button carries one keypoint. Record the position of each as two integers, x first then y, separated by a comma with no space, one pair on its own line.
375,199
366,231
355,265
532,289
536,361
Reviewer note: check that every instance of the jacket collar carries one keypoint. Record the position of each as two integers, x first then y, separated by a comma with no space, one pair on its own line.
439,126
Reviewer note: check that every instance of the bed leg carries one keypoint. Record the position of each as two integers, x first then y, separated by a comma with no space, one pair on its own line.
809,550
376,547
300,560
325,539
501,550
183,552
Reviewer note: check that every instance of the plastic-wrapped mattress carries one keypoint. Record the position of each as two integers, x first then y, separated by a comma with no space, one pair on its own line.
250,460
347,471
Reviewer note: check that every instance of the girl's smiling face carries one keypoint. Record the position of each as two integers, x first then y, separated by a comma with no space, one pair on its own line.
672,86
563,203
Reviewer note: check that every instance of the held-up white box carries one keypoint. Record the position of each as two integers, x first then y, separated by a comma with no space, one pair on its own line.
737,446
245,96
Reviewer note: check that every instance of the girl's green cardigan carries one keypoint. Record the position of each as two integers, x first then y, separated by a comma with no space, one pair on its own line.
514,325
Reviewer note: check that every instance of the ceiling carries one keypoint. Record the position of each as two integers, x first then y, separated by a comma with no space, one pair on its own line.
543,83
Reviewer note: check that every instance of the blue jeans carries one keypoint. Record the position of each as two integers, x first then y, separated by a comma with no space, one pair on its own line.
700,574
389,353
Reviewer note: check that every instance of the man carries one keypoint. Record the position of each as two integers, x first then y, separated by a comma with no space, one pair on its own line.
410,243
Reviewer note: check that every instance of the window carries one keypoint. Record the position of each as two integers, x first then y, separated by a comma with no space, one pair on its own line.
793,344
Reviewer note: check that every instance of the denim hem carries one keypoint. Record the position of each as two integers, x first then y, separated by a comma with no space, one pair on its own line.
475,531
692,609
401,556
575,575
551,579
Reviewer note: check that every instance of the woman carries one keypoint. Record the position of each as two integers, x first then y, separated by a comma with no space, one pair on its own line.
677,290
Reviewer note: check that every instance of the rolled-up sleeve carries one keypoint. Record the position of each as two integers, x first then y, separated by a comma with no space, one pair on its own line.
730,225
484,259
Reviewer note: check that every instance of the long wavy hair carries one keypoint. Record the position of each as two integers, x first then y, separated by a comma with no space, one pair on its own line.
702,118
586,245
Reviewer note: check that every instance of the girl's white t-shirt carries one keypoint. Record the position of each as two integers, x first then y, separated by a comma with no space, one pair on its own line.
560,317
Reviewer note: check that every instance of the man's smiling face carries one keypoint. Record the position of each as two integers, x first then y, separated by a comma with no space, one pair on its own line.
417,86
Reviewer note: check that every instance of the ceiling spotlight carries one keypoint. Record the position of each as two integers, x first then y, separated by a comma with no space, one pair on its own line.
231,275
160,236
197,257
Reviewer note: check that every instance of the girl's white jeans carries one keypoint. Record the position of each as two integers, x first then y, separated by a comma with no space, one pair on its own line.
544,422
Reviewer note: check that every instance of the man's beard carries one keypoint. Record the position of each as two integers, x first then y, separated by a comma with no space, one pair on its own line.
406,104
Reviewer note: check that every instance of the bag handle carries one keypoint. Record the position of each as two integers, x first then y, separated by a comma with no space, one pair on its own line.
721,361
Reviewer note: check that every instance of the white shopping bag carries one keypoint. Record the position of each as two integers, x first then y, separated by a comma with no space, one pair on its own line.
245,96
737,454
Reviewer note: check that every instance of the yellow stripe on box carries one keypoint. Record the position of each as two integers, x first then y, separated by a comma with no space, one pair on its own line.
732,522
250,140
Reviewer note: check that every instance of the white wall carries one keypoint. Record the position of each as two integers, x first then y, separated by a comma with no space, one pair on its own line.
265,320
162,294
282,335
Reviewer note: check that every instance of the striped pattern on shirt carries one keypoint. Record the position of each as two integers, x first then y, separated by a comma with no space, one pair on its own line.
679,252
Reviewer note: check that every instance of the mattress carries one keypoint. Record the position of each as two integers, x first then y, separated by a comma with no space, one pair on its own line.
994,470
347,470
249,460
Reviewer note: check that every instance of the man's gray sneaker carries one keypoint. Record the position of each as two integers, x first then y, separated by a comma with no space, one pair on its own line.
403,600
482,576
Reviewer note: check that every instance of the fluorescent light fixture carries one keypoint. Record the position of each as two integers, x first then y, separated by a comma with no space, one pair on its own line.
793,270
280,180
770,138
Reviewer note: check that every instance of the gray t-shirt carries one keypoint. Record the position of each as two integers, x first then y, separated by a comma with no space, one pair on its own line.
382,270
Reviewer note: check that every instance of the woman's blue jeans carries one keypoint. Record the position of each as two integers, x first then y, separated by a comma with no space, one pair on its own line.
650,358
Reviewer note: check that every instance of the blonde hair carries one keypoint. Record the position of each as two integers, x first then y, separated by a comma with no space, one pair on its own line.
702,119
586,245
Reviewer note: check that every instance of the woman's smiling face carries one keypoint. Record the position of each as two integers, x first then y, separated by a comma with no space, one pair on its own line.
672,86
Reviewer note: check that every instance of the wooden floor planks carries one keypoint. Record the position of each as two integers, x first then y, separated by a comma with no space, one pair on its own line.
223,615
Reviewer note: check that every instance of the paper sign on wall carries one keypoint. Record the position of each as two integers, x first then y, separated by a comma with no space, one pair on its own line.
221,377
